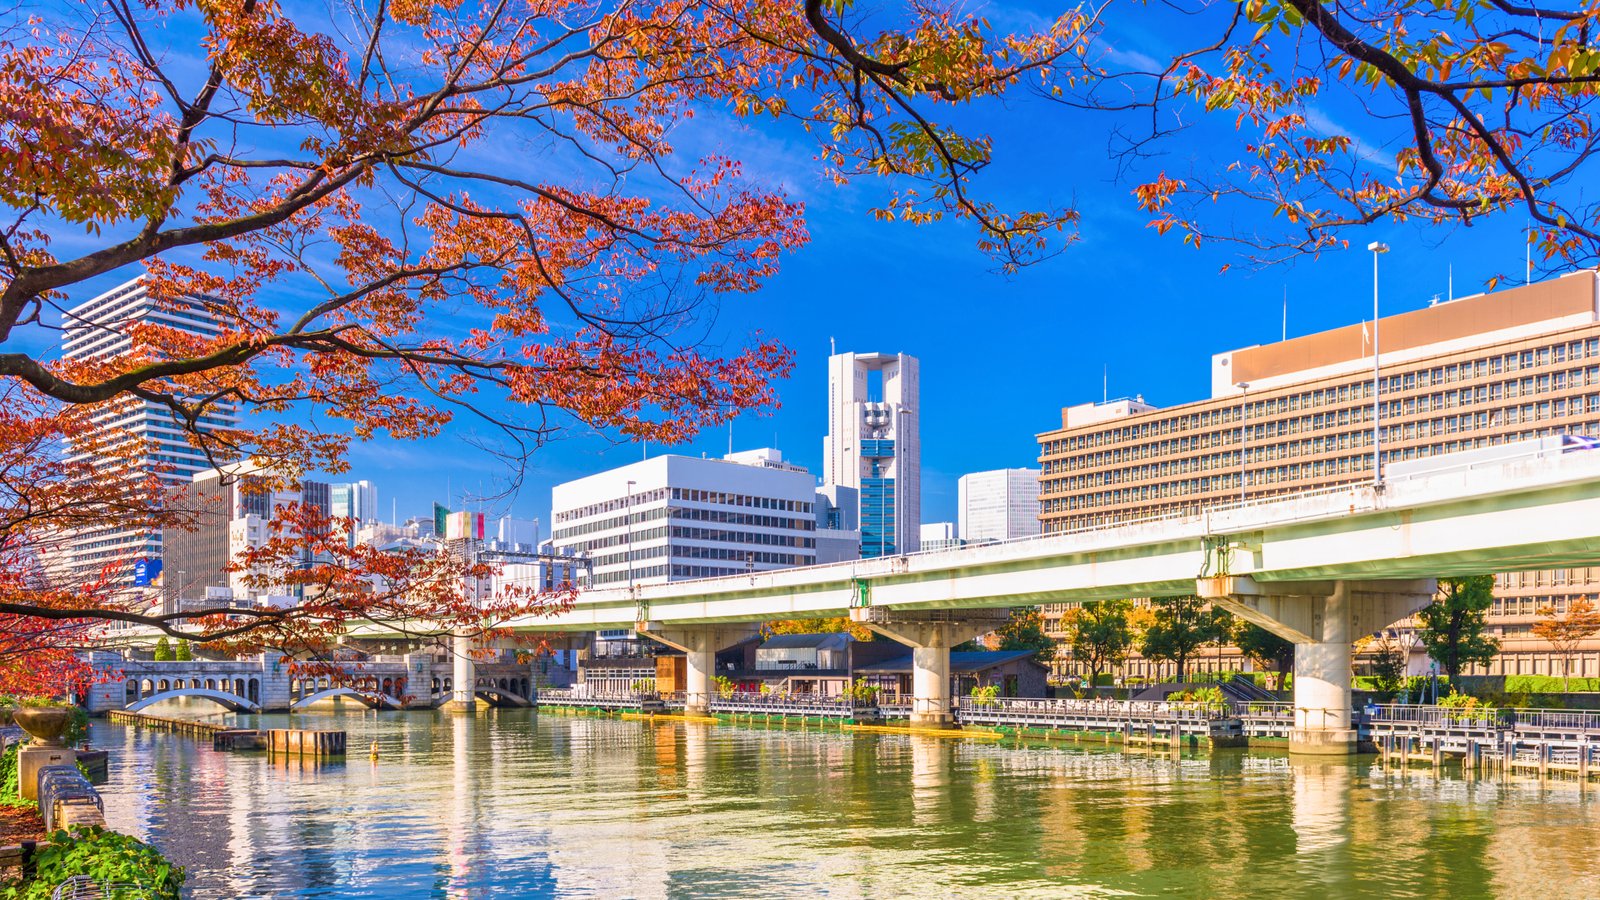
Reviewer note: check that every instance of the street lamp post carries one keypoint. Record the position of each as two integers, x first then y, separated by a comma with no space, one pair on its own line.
1244,434
1378,248
627,513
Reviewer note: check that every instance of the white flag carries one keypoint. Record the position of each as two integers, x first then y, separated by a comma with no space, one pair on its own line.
1366,336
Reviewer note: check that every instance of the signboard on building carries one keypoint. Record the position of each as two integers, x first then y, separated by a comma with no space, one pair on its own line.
145,571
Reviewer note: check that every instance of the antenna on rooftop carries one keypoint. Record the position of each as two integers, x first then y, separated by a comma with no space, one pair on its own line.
1433,301
1105,383
832,350
1451,280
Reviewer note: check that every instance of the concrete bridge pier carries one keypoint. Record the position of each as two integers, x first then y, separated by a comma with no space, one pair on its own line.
464,677
699,644
930,635
1322,619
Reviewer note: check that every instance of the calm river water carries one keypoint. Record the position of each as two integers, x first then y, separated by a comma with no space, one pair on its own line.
516,804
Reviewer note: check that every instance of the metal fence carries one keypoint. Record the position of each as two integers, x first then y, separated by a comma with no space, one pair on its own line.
747,702
1090,714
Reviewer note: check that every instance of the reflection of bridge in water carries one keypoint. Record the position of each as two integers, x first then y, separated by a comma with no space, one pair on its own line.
272,683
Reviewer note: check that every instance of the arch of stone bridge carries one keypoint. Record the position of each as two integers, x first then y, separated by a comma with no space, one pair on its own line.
233,702
371,701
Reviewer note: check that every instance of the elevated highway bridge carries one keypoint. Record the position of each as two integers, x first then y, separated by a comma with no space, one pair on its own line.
1317,568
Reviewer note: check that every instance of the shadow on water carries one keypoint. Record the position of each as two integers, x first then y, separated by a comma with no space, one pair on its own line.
511,803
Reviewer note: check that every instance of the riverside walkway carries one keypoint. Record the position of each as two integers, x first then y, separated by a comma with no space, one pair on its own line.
1542,740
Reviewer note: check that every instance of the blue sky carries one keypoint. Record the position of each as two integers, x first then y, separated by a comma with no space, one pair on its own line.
1001,354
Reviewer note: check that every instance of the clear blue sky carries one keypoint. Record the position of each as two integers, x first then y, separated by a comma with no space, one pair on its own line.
1000,354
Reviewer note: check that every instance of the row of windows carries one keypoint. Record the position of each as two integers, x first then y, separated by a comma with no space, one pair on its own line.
643,498
611,524
725,499
1256,454
1488,366
1260,482
1257,428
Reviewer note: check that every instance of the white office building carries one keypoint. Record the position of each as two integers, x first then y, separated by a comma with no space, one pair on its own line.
99,329
999,505
940,536
672,518
873,446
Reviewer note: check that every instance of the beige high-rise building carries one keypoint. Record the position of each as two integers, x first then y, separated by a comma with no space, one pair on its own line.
1298,415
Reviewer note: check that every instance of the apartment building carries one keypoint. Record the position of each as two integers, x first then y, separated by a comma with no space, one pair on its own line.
1298,415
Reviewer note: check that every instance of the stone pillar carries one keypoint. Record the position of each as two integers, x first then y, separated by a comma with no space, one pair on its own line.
464,677
930,636
699,644
699,665
274,682
419,679
110,693
930,686
1322,682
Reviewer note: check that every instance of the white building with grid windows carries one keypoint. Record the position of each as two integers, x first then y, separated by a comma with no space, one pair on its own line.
999,505
101,328
672,518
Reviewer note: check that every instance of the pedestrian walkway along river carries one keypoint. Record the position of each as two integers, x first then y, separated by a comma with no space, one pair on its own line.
511,803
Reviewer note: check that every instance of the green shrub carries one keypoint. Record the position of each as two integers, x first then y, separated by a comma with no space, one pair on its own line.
163,652
861,692
1549,684
724,686
103,855
1466,708
10,793
1200,698
988,695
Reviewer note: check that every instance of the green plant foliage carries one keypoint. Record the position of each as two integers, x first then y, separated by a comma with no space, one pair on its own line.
10,785
987,695
725,686
163,650
184,653
1179,627
1210,697
861,692
1452,626
1466,708
1264,648
1025,631
1548,684
105,856
1100,635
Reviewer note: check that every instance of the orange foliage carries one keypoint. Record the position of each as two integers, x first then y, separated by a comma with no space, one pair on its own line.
409,211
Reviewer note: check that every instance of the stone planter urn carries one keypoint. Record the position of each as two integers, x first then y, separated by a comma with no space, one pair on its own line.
44,723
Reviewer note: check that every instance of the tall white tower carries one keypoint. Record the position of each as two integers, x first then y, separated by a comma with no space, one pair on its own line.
873,446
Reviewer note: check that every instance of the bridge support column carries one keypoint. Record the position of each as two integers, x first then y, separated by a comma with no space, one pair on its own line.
699,644
1322,619
464,677
1322,683
930,636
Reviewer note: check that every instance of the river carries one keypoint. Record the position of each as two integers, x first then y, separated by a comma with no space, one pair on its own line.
511,803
